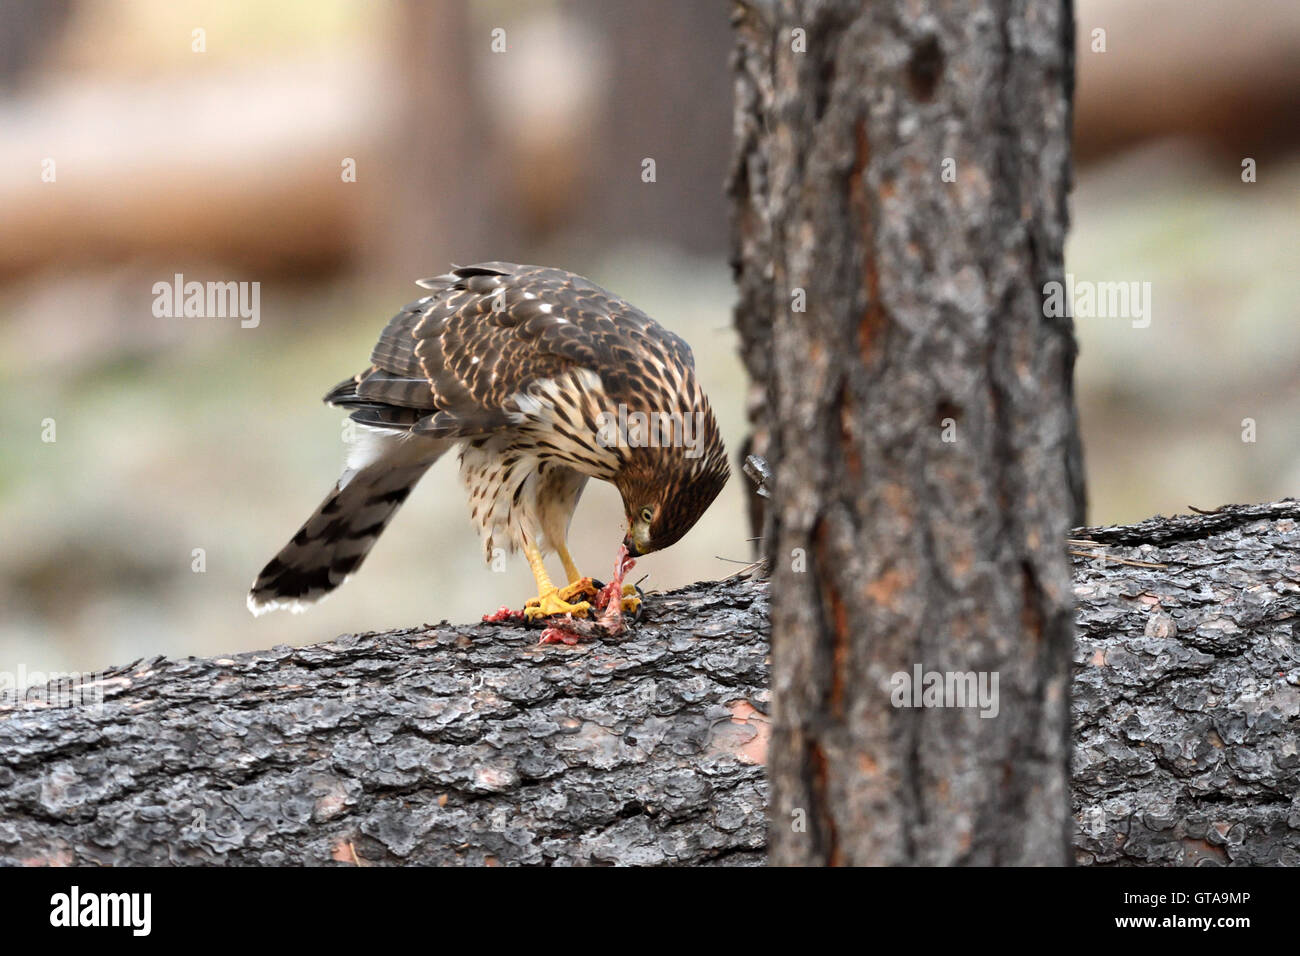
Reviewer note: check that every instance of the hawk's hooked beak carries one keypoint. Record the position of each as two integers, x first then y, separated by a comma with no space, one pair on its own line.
637,540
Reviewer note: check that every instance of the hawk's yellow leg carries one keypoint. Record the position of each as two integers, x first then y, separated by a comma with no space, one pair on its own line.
578,587
548,600
570,568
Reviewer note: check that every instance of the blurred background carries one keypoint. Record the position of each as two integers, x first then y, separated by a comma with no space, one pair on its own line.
144,138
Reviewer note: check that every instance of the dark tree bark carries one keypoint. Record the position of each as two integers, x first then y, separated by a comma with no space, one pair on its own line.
434,745
918,413
1186,691
469,744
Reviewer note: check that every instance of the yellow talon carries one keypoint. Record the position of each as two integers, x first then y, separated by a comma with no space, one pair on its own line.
631,600
580,588
550,603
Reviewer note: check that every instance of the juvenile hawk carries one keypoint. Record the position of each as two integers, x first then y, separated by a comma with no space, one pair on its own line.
542,379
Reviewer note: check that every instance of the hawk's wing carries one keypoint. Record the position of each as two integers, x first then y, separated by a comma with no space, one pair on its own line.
450,362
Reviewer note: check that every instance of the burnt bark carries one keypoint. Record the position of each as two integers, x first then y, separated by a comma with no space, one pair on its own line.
900,186
471,745
1186,691
438,744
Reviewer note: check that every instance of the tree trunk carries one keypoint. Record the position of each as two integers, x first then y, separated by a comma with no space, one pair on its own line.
469,744
919,416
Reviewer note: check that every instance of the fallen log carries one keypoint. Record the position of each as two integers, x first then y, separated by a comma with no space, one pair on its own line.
471,744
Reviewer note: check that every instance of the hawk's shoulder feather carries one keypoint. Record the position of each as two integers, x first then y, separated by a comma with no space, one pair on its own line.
485,332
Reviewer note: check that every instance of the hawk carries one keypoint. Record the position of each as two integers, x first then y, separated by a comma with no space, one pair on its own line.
542,380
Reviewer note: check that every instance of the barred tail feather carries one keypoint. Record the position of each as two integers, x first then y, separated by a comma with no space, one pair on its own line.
382,469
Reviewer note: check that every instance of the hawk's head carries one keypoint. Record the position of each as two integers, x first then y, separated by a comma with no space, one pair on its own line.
666,488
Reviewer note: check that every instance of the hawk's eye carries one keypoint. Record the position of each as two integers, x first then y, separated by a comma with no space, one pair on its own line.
647,515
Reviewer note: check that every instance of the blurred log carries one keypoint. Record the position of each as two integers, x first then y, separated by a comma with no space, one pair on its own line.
241,163
1225,75
199,169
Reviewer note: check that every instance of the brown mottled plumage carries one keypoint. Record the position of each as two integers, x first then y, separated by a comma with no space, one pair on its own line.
543,380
